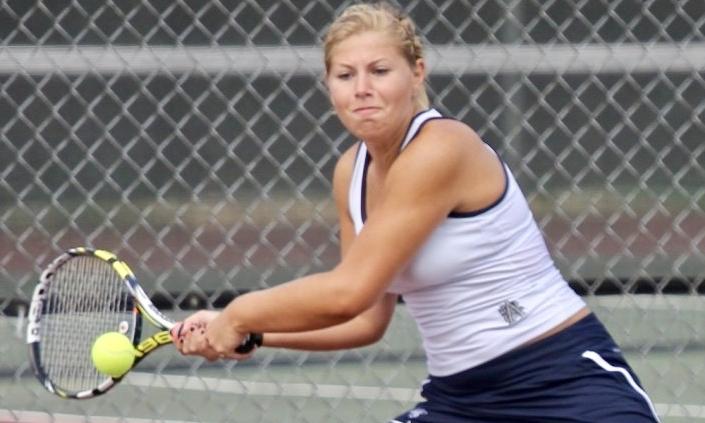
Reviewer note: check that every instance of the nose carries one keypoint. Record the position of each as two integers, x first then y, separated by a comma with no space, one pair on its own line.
362,85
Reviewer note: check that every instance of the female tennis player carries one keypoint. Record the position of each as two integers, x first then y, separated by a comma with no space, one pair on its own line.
429,212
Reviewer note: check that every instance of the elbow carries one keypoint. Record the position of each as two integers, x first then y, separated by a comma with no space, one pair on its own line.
350,300
347,307
375,335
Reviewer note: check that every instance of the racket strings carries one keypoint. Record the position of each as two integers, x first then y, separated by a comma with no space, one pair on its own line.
86,298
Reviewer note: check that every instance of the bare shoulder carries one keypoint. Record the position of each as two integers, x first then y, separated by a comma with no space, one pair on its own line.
451,160
447,141
450,131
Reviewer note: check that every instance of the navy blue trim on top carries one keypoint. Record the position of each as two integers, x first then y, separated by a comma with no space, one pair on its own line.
424,124
363,194
494,203
411,122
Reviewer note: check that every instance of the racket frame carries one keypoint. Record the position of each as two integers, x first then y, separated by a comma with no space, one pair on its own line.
142,306
37,305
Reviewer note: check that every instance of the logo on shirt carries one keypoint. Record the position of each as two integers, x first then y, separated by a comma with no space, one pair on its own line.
511,311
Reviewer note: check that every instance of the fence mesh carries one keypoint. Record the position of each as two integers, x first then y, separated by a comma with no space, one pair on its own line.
195,139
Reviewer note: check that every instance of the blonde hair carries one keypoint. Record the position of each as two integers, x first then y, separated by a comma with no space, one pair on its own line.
381,17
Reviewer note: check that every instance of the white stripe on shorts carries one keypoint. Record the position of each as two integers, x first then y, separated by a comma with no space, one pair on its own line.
592,355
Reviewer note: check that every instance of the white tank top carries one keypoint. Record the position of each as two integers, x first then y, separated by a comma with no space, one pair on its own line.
483,283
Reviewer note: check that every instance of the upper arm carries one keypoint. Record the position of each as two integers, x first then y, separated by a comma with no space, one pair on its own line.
421,188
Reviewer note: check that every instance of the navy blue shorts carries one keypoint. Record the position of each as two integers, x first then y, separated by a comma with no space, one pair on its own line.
576,375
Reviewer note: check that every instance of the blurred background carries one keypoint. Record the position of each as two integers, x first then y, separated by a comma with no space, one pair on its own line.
195,139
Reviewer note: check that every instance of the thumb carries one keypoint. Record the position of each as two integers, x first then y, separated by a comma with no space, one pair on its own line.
176,332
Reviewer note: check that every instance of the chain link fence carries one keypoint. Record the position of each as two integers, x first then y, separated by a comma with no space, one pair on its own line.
195,139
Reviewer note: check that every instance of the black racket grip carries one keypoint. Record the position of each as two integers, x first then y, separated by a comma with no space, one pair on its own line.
253,340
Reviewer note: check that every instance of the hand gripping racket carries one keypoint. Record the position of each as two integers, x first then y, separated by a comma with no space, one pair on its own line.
82,294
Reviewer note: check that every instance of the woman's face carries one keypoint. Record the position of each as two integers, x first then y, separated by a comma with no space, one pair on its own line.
372,86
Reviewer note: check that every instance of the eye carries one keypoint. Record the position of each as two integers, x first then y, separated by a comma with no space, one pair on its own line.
343,75
380,71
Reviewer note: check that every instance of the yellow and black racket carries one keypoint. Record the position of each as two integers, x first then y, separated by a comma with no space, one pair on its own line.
82,294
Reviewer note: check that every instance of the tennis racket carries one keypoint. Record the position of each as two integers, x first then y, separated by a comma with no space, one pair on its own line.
82,294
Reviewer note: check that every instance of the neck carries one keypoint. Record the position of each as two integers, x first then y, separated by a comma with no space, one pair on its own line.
384,153
384,149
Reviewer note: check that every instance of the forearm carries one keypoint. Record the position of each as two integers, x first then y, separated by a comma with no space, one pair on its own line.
339,337
313,302
365,329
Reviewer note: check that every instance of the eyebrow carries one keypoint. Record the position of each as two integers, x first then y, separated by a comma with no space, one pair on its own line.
374,62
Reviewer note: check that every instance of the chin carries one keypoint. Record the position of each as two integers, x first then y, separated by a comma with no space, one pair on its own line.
357,125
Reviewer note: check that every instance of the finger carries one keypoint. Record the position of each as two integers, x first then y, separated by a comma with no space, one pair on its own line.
175,332
239,357
194,343
191,325
219,348
212,356
216,344
186,342
201,317
226,347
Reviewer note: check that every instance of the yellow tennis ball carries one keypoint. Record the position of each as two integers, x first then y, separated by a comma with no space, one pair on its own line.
113,354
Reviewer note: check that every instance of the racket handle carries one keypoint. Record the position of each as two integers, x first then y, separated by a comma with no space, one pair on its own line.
253,340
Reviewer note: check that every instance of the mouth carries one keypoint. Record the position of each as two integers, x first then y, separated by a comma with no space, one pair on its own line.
364,111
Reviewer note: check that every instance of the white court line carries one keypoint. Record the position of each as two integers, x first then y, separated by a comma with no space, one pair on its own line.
25,416
228,386
231,386
681,410
650,302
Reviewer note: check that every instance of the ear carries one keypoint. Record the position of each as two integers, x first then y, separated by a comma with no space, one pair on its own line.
419,71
